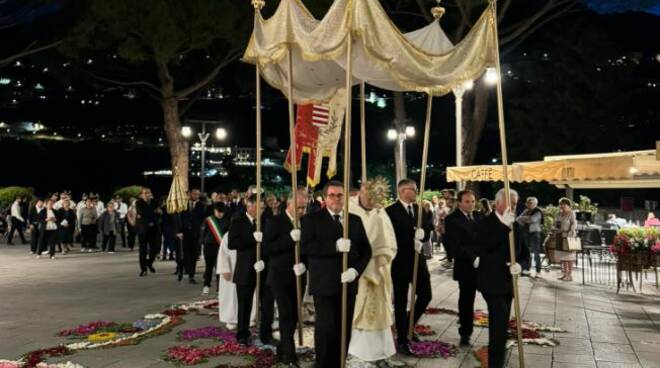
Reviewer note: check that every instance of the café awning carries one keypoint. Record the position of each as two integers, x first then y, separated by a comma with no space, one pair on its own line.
636,169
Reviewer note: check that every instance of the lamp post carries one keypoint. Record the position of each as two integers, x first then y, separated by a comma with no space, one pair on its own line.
400,138
220,134
458,93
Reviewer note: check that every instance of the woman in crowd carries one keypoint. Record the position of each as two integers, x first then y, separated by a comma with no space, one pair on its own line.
565,227
50,220
87,220
35,225
485,209
109,226
131,219
67,225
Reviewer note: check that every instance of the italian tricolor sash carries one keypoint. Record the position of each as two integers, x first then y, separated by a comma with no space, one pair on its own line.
213,225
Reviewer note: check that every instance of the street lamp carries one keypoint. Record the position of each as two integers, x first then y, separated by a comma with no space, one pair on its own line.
400,138
186,131
220,134
491,76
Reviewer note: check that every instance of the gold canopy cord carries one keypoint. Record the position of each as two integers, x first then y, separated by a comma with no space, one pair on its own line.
294,187
505,173
347,189
258,4
420,213
363,134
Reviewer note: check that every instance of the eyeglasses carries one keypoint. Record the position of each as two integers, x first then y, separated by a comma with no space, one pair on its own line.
335,195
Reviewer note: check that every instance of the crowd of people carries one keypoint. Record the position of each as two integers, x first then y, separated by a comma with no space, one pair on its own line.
381,246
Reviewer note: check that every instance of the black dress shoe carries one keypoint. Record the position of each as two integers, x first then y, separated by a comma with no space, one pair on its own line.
465,341
143,273
415,338
245,342
152,269
404,349
192,281
180,277
269,341
175,273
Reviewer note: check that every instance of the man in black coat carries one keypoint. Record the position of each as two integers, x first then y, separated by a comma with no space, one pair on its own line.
461,238
324,246
147,228
494,275
279,245
409,241
191,221
243,237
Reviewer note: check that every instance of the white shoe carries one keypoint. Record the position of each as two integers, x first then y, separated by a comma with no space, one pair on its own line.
38,256
231,326
89,250
44,252
52,257
205,290
83,249
111,252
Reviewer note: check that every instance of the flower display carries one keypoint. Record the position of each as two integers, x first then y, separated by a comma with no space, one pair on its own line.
635,239
424,330
33,358
207,332
655,249
433,349
101,336
85,330
191,355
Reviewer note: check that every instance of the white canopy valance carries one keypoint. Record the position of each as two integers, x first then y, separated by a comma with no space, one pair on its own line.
423,60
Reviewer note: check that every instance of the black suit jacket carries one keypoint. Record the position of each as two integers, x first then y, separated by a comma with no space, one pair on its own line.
319,237
404,230
241,239
461,238
493,275
193,217
42,217
146,215
280,250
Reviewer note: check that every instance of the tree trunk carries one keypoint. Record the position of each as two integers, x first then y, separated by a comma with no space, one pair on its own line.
178,144
400,120
475,112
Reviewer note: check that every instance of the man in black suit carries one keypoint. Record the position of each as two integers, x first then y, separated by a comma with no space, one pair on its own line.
147,229
279,245
243,237
461,238
324,246
191,221
494,275
409,241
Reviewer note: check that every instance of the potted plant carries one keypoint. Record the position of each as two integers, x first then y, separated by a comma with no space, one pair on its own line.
585,210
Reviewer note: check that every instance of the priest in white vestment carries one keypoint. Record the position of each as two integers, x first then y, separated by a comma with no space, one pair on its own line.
372,338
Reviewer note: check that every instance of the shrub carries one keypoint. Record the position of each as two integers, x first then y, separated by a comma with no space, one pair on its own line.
9,194
126,193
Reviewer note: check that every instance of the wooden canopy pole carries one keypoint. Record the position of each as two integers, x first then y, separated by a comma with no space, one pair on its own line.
420,213
507,188
363,134
347,190
294,185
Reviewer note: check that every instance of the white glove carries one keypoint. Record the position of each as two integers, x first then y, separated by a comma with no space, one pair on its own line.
349,276
343,245
475,264
508,218
259,266
515,269
299,269
258,236
295,235
419,234
418,246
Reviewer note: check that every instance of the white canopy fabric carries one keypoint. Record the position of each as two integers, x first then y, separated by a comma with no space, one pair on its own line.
423,60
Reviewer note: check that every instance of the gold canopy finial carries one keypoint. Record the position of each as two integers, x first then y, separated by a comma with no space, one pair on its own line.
258,4
437,10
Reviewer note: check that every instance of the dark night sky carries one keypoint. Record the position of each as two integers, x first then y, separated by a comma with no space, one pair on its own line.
103,166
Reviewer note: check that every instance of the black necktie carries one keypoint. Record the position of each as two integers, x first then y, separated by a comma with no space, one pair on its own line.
410,212
470,217
336,217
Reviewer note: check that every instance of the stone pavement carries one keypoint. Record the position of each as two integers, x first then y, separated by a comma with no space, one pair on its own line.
39,297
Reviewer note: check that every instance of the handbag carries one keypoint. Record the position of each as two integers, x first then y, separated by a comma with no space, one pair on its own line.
571,244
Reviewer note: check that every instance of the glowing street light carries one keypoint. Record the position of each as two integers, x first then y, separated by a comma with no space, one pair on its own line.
410,131
186,131
491,76
392,134
221,134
